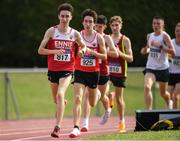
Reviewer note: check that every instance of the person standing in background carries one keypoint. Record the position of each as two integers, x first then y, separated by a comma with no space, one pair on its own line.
58,45
118,66
174,69
158,46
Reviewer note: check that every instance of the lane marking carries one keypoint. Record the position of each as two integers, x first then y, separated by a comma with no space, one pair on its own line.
67,134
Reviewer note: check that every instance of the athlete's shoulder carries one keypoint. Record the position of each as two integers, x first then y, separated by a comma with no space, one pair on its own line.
124,38
76,33
166,35
149,34
50,31
99,35
173,40
74,30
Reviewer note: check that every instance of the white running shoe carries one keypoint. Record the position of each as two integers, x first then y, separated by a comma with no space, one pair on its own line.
170,105
75,133
106,116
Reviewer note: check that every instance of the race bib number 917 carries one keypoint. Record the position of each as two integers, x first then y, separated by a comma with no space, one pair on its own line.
63,57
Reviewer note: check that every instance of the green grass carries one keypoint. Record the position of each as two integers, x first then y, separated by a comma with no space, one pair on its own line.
34,99
148,135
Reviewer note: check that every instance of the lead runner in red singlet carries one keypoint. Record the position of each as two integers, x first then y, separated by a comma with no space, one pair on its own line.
58,45
87,68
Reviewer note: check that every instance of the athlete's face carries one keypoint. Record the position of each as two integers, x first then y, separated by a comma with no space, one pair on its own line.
65,17
88,23
158,25
115,27
177,32
100,28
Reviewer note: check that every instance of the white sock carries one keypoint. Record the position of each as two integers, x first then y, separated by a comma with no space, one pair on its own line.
108,109
85,121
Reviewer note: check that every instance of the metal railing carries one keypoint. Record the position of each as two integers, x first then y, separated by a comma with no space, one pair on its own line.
9,91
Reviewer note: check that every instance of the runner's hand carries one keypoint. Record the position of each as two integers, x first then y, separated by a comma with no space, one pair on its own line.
59,51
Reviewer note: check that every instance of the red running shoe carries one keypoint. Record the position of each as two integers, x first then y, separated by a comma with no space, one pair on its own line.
55,132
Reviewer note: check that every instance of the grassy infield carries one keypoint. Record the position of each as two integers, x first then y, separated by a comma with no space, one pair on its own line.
34,101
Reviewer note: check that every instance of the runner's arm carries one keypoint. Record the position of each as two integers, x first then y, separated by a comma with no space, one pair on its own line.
111,49
103,53
128,55
145,50
170,48
42,50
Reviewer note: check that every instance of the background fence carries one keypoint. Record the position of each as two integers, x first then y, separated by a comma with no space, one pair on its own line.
25,93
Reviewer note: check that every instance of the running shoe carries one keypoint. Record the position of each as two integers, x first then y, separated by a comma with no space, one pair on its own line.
75,133
122,127
55,132
106,116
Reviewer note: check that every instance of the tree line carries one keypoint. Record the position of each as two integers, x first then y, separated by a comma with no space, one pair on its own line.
23,23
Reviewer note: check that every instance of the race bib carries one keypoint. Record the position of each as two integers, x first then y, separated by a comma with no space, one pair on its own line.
63,57
115,68
155,53
88,61
176,62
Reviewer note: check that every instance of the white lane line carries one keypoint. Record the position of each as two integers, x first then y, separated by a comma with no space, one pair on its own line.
31,130
37,137
66,134
23,132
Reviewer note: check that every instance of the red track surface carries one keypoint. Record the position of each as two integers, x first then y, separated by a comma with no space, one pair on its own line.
40,129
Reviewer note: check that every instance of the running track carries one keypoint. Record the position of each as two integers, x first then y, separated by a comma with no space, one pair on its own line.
40,129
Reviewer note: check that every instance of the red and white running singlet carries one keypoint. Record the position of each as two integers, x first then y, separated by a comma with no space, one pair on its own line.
66,41
88,63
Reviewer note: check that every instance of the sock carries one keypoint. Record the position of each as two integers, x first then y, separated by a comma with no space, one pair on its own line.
58,126
85,121
108,109
75,126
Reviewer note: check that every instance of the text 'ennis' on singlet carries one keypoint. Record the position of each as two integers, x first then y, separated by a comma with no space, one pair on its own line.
175,62
88,63
157,59
64,62
118,66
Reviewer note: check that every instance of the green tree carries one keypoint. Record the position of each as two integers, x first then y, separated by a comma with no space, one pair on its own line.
23,23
